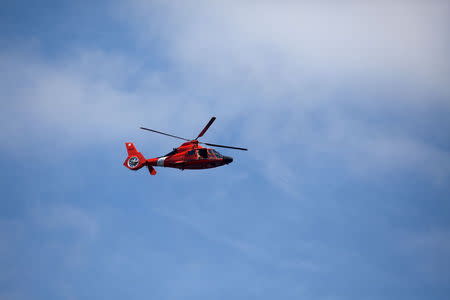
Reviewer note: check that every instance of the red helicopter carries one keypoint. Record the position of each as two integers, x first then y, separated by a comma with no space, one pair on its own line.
189,155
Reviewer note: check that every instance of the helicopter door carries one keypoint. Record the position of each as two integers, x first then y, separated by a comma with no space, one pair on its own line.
203,153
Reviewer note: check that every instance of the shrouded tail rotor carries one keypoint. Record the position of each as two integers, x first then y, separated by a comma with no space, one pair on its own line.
136,160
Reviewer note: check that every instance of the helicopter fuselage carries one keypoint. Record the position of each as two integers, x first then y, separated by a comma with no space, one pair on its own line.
191,155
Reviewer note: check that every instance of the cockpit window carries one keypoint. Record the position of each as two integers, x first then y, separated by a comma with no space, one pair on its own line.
191,152
218,155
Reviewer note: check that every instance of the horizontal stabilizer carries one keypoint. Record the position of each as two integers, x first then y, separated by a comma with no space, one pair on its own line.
151,170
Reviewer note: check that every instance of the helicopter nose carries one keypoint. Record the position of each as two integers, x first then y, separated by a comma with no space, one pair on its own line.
227,159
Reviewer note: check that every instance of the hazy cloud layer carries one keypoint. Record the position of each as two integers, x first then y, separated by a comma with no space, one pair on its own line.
357,81
344,107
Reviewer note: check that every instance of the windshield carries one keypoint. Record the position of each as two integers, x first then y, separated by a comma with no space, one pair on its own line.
218,155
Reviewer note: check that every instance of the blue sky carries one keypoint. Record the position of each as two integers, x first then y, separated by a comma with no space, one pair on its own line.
344,193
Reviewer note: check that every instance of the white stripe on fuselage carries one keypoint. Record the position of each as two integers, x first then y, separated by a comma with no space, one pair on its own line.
160,162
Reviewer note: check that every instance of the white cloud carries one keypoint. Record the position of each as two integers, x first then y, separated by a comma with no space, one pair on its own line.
288,43
277,63
284,79
82,100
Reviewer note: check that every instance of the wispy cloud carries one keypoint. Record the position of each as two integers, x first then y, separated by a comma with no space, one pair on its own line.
302,80
63,217
251,251
292,43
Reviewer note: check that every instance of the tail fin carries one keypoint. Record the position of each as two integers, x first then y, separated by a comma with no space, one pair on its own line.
135,159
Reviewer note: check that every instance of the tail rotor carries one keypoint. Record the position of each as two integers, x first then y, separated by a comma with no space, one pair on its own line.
135,160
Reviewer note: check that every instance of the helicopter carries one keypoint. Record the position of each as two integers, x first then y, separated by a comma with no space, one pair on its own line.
190,155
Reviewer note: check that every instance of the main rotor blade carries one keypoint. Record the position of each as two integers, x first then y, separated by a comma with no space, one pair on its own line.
174,136
206,127
222,146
